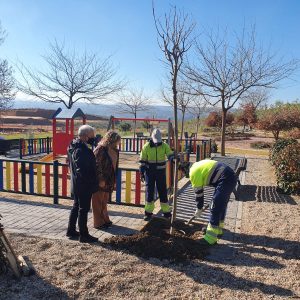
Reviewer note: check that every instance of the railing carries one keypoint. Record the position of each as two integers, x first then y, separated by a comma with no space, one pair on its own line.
36,146
51,179
203,150
135,145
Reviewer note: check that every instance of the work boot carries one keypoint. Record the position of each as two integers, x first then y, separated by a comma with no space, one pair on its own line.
219,235
72,234
147,217
88,239
204,243
167,215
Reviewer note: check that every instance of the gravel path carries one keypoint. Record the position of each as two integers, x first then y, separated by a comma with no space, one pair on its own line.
266,265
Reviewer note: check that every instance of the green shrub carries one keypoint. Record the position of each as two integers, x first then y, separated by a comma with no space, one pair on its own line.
125,127
260,145
287,166
279,145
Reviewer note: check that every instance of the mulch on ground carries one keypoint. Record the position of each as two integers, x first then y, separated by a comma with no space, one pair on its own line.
155,241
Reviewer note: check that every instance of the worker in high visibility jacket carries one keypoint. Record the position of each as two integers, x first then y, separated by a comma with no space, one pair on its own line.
153,170
212,173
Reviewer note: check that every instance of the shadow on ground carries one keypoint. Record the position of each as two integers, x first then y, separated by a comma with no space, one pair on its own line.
29,287
264,194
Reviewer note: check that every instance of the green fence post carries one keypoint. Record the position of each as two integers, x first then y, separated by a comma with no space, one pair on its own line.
21,148
204,149
137,145
198,153
55,182
23,176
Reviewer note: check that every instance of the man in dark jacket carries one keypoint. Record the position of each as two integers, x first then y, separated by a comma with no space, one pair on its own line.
83,182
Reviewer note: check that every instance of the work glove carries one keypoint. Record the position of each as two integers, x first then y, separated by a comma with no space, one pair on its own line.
198,212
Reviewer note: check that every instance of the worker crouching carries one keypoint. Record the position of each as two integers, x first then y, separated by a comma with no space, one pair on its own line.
153,172
212,173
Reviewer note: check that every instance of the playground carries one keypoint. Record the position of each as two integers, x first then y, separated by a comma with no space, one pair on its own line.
258,262
254,259
41,169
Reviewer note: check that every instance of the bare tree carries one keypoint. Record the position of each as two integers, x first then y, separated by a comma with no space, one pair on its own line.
7,82
197,108
225,71
133,102
184,99
174,39
257,97
71,77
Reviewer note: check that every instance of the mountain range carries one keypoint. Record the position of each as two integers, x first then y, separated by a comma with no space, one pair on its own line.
103,110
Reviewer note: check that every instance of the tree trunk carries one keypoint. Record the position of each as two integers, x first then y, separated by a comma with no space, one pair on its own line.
276,134
223,130
182,125
134,126
197,126
175,188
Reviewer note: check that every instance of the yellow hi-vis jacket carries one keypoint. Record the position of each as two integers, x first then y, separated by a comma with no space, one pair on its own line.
200,176
201,171
155,155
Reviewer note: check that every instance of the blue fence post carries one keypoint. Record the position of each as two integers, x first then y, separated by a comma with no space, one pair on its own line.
31,178
119,186
1,175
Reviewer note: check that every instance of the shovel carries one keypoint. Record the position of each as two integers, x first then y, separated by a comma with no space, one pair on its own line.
205,207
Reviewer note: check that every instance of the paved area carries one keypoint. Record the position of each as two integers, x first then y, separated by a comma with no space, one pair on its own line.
50,221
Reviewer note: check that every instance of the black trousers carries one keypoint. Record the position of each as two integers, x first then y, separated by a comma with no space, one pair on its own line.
80,209
158,177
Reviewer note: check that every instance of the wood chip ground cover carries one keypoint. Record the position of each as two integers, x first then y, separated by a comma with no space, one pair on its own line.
266,263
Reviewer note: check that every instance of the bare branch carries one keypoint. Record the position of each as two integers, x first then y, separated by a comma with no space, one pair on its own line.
7,82
225,73
70,77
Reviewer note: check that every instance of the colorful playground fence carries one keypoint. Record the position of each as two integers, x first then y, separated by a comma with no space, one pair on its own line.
135,145
52,179
35,146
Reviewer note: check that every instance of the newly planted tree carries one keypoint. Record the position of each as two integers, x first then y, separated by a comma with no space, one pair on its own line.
174,39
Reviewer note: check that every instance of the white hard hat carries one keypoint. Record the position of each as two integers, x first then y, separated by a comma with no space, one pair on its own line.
156,136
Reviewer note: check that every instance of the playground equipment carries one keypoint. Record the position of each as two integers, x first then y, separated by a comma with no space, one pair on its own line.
61,140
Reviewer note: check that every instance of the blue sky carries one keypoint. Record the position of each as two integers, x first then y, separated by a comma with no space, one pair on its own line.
125,29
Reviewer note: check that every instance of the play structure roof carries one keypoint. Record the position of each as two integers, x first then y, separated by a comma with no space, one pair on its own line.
68,113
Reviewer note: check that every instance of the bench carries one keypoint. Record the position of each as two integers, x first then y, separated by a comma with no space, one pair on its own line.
237,164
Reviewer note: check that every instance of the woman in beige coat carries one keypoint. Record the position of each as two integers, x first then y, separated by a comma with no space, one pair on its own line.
107,155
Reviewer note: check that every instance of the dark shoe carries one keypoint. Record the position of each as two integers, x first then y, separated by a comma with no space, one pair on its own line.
167,215
108,224
72,235
88,239
100,227
147,217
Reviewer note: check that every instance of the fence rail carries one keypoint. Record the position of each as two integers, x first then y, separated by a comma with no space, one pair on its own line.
51,179
135,145
35,146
